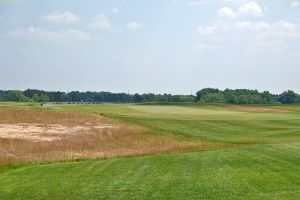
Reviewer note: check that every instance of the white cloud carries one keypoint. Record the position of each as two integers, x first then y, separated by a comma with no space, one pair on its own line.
295,3
226,12
251,35
277,31
61,17
284,29
245,9
115,10
252,26
251,8
100,21
40,34
133,26
207,29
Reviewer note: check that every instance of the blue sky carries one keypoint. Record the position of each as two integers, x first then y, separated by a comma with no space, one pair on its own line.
161,46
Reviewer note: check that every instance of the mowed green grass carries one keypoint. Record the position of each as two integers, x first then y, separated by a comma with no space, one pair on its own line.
209,122
257,172
264,164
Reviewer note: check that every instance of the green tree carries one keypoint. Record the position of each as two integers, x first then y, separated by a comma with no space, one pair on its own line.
44,98
213,98
230,96
287,97
16,95
36,98
206,91
298,98
137,98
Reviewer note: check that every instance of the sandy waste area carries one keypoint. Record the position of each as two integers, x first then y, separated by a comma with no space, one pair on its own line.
46,132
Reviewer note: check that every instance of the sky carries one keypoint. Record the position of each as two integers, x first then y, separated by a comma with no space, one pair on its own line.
159,46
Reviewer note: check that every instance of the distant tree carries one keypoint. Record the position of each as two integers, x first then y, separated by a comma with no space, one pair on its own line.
40,98
268,97
16,95
44,98
137,98
206,91
230,96
31,92
2,98
287,97
298,98
161,98
183,98
212,98
207,95
36,98
149,97
55,96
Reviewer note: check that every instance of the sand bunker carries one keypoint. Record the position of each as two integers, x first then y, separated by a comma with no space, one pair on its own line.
48,132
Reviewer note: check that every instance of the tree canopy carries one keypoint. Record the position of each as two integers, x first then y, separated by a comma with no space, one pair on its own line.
245,96
206,95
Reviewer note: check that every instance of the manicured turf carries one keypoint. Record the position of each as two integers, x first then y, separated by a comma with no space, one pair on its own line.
264,165
257,172
210,122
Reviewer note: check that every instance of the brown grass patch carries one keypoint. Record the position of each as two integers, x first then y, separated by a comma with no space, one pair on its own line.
256,108
42,132
28,134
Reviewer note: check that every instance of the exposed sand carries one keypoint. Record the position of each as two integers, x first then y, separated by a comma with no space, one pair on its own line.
48,132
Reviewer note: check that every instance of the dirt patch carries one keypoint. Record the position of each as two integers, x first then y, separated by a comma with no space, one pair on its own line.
46,132
256,108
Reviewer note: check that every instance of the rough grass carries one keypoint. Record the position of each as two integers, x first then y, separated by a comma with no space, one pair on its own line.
256,172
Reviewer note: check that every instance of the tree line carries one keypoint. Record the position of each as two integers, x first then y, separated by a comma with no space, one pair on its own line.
245,96
206,95
34,95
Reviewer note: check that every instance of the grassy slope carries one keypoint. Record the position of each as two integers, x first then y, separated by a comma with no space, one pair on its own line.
206,121
259,171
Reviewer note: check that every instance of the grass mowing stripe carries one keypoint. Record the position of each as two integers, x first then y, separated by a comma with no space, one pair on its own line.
258,171
253,172
209,122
